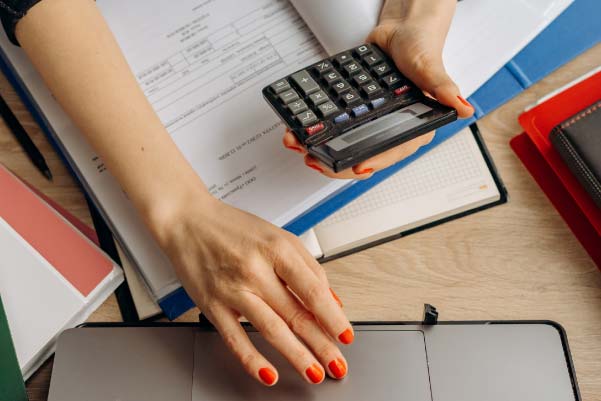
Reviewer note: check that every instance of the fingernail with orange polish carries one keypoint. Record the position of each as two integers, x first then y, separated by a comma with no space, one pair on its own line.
366,171
336,298
465,102
347,336
295,148
267,375
314,373
338,368
315,167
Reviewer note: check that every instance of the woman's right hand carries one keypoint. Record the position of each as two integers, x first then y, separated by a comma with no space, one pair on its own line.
235,264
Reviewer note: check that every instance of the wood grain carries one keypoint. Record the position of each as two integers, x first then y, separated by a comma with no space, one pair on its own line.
516,261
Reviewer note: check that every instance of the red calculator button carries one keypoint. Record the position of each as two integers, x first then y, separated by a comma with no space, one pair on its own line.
314,129
401,90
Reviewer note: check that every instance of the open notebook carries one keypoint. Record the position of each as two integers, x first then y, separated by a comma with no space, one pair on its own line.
455,178
202,64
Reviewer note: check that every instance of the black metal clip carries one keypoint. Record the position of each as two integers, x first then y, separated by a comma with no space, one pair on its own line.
430,315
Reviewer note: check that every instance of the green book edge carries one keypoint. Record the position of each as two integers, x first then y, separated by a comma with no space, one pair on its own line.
12,386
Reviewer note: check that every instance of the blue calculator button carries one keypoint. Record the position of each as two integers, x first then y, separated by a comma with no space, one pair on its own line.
357,111
377,102
341,118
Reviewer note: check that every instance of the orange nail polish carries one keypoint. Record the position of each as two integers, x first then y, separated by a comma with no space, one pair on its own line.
314,373
295,148
267,375
336,298
338,368
465,102
346,337
366,171
315,167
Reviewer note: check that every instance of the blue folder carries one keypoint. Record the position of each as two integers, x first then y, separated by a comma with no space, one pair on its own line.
574,31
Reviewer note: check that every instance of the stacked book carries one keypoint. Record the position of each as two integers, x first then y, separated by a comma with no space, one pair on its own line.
561,148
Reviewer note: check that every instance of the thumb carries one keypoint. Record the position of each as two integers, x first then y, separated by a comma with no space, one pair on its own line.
431,77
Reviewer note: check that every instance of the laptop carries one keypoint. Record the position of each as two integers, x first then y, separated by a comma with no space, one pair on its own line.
468,361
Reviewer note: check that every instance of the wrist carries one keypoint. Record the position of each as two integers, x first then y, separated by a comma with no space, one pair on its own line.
166,212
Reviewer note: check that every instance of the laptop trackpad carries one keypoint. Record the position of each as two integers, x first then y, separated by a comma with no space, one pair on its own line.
384,365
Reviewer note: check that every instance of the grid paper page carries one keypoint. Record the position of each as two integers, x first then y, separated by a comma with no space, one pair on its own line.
453,161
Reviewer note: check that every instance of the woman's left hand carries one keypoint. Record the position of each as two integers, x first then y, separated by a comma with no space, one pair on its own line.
413,33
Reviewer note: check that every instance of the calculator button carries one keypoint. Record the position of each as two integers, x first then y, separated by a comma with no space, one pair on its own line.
352,68
304,81
357,111
391,80
343,58
350,98
332,77
402,90
327,109
381,69
362,50
307,118
377,102
372,59
314,129
280,86
341,87
288,96
371,89
362,78
341,118
323,66
318,98
297,106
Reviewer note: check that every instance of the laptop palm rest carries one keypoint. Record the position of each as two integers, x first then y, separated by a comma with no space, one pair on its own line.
382,363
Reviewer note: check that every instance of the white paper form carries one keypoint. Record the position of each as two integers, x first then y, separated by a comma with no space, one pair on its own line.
484,34
203,72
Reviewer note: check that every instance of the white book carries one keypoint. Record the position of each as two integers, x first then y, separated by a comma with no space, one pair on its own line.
202,66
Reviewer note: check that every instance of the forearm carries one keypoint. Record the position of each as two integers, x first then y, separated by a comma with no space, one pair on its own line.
72,47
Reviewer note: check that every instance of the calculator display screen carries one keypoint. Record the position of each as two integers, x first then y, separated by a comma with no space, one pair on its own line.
405,118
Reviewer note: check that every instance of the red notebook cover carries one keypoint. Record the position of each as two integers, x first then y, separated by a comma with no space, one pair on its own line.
540,120
559,196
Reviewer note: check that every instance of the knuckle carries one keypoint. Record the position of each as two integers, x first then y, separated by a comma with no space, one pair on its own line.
250,272
271,330
312,294
301,321
248,359
326,350
279,245
230,338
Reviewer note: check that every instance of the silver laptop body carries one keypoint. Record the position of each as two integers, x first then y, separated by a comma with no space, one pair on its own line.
443,362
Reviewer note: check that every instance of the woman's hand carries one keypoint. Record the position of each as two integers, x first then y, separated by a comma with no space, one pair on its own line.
234,264
413,33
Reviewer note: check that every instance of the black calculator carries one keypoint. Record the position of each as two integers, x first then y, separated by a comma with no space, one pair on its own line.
354,105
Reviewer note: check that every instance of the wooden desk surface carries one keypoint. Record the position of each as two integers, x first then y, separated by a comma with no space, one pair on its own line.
516,261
